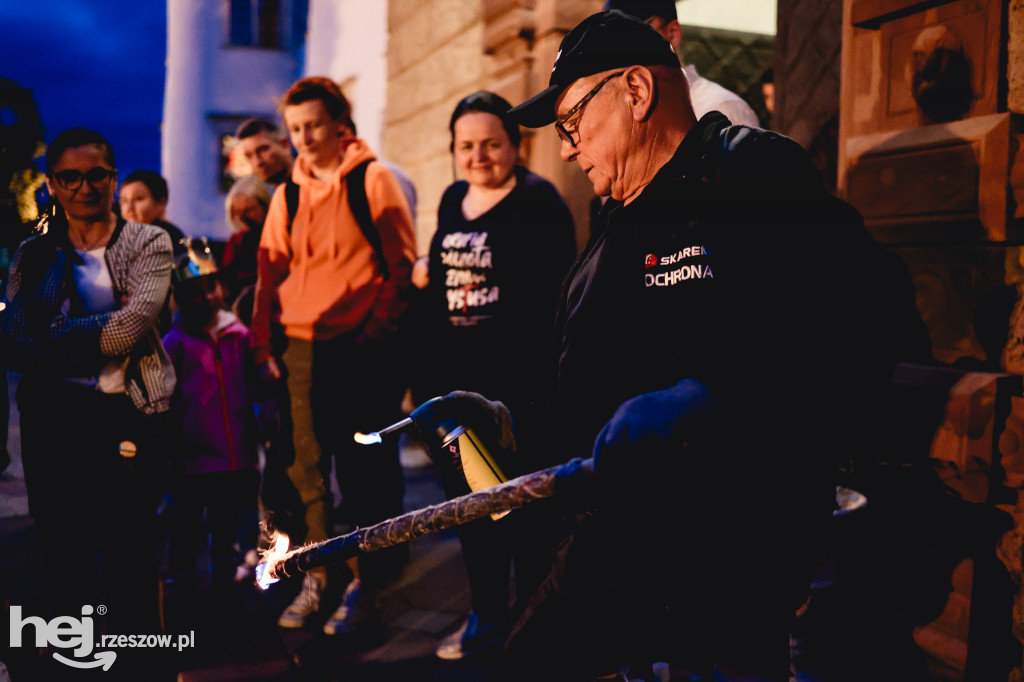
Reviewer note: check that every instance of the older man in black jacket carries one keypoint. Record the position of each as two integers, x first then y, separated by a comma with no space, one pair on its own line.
718,345
719,261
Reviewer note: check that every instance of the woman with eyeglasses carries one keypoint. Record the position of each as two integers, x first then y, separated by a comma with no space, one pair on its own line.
504,241
81,325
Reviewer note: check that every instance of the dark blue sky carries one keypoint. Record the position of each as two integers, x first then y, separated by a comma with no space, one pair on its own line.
93,63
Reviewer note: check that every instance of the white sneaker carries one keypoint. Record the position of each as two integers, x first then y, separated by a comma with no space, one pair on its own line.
473,636
358,604
450,648
306,603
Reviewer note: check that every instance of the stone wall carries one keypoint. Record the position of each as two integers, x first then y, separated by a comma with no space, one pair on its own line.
930,153
807,60
435,57
441,51
935,176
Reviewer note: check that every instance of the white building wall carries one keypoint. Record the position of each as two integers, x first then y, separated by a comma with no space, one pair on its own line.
347,41
250,80
183,157
750,16
210,86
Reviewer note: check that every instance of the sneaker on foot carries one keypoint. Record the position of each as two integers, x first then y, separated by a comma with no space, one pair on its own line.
306,604
473,636
357,606
450,648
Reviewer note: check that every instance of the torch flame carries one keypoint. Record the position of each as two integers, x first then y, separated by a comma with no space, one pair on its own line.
374,437
264,576
367,438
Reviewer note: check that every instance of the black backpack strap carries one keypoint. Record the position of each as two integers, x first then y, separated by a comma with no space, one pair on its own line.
360,206
291,199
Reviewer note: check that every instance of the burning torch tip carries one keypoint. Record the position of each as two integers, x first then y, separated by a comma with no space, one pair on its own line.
264,578
367,438
374,437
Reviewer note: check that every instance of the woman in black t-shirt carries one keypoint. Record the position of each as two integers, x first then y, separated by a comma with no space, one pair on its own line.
504,241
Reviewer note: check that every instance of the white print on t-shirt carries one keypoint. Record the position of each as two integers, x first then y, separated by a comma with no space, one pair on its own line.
651,260
469,297
479,257
466,250
455,277
672,277
461,251
682,254
460,240
681,274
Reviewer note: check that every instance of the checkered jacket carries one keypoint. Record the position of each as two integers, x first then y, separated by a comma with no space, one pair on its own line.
45,332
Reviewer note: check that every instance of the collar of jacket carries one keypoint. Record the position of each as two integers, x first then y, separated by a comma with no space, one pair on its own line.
64,241
691,159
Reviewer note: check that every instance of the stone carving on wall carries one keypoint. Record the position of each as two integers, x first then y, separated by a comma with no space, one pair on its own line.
939,74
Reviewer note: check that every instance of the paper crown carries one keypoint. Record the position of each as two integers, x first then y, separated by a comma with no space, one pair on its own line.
197,261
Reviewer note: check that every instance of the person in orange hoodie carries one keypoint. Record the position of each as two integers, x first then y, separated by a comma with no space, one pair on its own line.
338,298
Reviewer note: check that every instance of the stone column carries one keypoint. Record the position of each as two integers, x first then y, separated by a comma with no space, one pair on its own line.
185,164
555,18
509,28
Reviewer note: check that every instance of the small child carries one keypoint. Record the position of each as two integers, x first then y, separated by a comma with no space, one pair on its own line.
215,466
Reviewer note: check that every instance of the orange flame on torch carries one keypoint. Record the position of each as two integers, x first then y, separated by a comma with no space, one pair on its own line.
265,575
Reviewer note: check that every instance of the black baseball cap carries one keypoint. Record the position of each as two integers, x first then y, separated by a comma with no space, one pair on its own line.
645,9
601,42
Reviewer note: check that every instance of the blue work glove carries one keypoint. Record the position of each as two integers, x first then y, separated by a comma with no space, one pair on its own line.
439,418
575,486
645,448
638,452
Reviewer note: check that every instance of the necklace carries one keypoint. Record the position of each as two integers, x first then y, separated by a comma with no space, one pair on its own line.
93,236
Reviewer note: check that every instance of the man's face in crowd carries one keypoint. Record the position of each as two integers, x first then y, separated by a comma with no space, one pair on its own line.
600,130
670,30
768,91
267,155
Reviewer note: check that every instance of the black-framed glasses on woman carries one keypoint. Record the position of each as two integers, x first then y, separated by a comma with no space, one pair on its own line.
564,132
96,176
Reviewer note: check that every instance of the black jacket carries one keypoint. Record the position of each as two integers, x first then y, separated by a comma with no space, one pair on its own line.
726,328
737,268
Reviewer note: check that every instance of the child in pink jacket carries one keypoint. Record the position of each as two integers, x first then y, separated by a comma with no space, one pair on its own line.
215,463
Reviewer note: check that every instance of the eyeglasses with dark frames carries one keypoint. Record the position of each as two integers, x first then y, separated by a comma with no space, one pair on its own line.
96,176
564,132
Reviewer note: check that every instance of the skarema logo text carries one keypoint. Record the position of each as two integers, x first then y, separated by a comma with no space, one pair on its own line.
79,634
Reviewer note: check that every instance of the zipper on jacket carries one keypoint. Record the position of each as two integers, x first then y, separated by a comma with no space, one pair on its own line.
224,403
